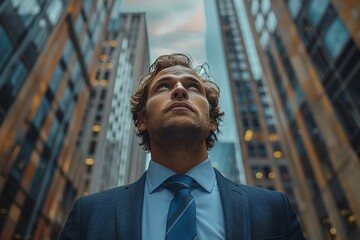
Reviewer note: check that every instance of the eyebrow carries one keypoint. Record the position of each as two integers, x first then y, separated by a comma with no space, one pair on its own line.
167,78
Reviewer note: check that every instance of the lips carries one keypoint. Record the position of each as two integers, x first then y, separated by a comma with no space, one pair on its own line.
180,106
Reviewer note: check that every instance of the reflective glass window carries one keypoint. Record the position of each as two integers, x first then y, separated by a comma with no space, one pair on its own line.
88,57
69,110
76,71
264,39
41,113
294,7
13,83
5,47
245,76
254,7
265,6
54,11
87,5
316,10
271,22
66,98
42,33
22,159
347,112
53,132
259,22
16,77
335,38
68,51
38,178
27,10
56,79
79,24
12,21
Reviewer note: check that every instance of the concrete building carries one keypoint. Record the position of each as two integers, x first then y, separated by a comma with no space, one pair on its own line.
107,138
310,52
265,164
47,55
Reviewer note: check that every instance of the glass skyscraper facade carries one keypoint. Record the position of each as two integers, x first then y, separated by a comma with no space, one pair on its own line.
265,163
107,138
310,54
47,54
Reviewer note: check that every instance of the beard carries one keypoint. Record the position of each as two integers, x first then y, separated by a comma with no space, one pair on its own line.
180,131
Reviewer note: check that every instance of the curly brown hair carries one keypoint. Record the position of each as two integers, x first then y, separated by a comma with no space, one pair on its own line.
139,98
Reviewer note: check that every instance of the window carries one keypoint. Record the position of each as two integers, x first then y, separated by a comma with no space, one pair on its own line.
251,149
259,22
27,10
68,51
54,131
316,9
264,39
92,148
79,24
41,113
56,79
347,112
103,94
42,33
13,83
294,7
271,22
22,159
254,7
5,47
78,84
54,11
284,173
335,38
265,6
66,99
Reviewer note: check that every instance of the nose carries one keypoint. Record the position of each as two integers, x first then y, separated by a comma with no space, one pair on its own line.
179,91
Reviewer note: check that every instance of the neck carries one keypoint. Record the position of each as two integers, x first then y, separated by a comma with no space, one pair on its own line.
181,157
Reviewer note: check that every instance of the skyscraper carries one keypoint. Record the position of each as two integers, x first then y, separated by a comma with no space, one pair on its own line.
230,163
47,55
107,138
265,163
310,52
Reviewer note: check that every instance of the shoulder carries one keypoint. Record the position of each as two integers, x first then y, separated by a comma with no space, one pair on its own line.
252,193
111,195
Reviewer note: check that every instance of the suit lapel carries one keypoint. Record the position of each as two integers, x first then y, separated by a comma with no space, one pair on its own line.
129,210
235,208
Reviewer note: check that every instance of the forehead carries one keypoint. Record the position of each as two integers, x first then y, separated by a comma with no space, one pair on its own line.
177,71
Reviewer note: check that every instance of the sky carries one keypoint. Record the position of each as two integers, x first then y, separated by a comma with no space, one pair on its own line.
173,26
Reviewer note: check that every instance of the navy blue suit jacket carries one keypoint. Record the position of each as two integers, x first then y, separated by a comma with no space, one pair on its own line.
250,213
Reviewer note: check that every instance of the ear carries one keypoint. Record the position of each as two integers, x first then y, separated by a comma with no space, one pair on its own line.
141,122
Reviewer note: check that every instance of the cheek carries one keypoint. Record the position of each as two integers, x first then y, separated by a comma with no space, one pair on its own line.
204,107
154,105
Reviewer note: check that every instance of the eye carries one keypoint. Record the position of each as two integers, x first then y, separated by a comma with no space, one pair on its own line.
193,86
163,86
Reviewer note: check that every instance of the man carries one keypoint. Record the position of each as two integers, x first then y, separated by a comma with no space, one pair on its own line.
181,196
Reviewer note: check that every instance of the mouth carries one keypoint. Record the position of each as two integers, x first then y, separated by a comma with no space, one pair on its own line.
180,106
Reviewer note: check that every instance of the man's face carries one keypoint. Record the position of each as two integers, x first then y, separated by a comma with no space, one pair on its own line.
176,104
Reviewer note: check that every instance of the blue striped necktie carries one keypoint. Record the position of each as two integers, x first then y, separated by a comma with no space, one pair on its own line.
181,220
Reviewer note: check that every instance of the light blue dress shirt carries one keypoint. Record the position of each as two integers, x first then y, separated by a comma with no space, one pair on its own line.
209,214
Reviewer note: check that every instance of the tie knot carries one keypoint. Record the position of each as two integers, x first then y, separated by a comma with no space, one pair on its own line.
177,182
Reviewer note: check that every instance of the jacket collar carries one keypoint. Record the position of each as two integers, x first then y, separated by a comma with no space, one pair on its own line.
235,207
234,203
128,213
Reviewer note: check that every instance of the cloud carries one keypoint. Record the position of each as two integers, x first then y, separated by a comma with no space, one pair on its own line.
173,26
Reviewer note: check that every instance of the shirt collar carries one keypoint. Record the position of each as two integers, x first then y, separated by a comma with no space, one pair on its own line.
203,174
